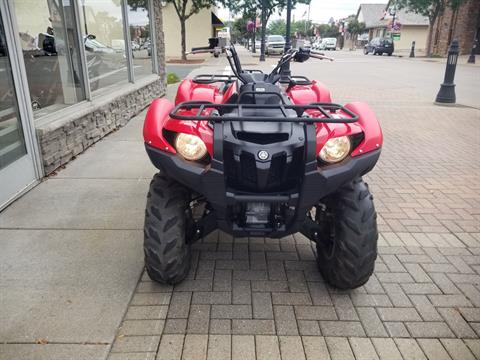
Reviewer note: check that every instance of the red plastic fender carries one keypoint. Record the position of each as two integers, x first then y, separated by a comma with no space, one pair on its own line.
190,91
232,89
157,116
371,128
307,94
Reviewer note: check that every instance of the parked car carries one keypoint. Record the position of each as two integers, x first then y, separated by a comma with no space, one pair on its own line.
274,44
304,44
328,44
379,46
135,46
316,45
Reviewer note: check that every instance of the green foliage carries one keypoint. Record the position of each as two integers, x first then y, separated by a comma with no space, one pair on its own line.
355,27
172,78
328,30
303,27
239,29
279,27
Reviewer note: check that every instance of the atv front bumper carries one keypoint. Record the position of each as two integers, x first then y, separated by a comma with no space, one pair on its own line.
209,181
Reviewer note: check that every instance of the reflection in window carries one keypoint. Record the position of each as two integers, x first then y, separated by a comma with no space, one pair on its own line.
12,143
48,38
138,19
104,42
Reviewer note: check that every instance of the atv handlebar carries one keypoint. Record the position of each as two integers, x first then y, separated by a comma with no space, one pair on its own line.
297,55
320,56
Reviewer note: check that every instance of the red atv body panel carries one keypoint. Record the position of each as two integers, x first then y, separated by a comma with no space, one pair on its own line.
157,118
188,90
307,94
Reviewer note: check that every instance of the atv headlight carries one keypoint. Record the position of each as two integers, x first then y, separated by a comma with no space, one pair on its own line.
191,147
335,149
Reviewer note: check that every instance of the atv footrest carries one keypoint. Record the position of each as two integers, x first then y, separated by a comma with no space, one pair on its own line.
234,198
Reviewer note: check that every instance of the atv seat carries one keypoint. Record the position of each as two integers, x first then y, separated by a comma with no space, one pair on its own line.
261,93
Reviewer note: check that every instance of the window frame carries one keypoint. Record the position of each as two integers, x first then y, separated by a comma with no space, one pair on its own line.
126,38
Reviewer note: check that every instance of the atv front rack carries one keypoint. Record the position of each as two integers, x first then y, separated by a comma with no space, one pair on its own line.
216,78
225,78
207,111
213,78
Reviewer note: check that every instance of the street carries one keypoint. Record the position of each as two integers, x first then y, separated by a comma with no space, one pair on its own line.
71,267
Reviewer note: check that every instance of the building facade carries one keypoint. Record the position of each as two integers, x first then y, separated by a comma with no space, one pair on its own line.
412,27
71,71
198,29
462,24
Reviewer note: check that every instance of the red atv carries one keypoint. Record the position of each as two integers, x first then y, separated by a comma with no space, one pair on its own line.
257,154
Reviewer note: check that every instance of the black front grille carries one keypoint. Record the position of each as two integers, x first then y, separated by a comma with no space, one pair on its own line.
282,174
259,138
277,172
248,169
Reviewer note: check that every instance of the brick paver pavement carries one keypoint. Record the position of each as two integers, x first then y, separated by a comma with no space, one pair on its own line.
256,298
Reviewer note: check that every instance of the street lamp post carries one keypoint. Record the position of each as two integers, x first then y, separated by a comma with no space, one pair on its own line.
254,32
446,94
471,58
288,42
262,43
412,50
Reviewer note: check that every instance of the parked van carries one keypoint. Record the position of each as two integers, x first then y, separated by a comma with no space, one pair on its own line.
328,44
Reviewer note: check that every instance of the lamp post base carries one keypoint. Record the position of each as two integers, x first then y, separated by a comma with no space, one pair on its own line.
446,94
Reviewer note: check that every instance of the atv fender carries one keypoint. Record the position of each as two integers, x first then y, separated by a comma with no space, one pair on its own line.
157,116
373,137
191,91
307,94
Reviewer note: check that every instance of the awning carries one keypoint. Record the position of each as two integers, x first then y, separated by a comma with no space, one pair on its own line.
216,22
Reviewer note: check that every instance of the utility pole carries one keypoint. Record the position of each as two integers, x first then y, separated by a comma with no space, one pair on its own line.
254,32
393,19
288,41
262,41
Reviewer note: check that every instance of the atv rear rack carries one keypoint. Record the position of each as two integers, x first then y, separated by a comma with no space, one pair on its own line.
223,112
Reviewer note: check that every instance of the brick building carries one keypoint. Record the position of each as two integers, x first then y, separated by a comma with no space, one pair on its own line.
462,24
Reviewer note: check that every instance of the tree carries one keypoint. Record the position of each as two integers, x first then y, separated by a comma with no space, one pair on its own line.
185,9
328,30
302,27
431,9
355,27
277,27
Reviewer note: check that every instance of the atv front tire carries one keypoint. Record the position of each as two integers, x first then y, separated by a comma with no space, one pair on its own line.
349,259
167,254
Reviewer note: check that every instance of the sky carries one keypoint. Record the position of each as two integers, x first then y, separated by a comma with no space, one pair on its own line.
320,10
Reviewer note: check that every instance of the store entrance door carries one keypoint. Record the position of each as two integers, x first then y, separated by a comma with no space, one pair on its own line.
17,162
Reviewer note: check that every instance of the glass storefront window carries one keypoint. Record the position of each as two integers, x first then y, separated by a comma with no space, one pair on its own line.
104,42
139,22
52,61
12,143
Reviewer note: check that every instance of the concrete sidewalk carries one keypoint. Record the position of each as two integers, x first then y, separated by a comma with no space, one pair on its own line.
71,252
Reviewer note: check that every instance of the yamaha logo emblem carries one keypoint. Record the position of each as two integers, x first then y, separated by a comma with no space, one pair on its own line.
263,155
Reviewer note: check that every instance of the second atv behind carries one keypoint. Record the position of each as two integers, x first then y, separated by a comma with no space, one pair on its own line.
256,154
